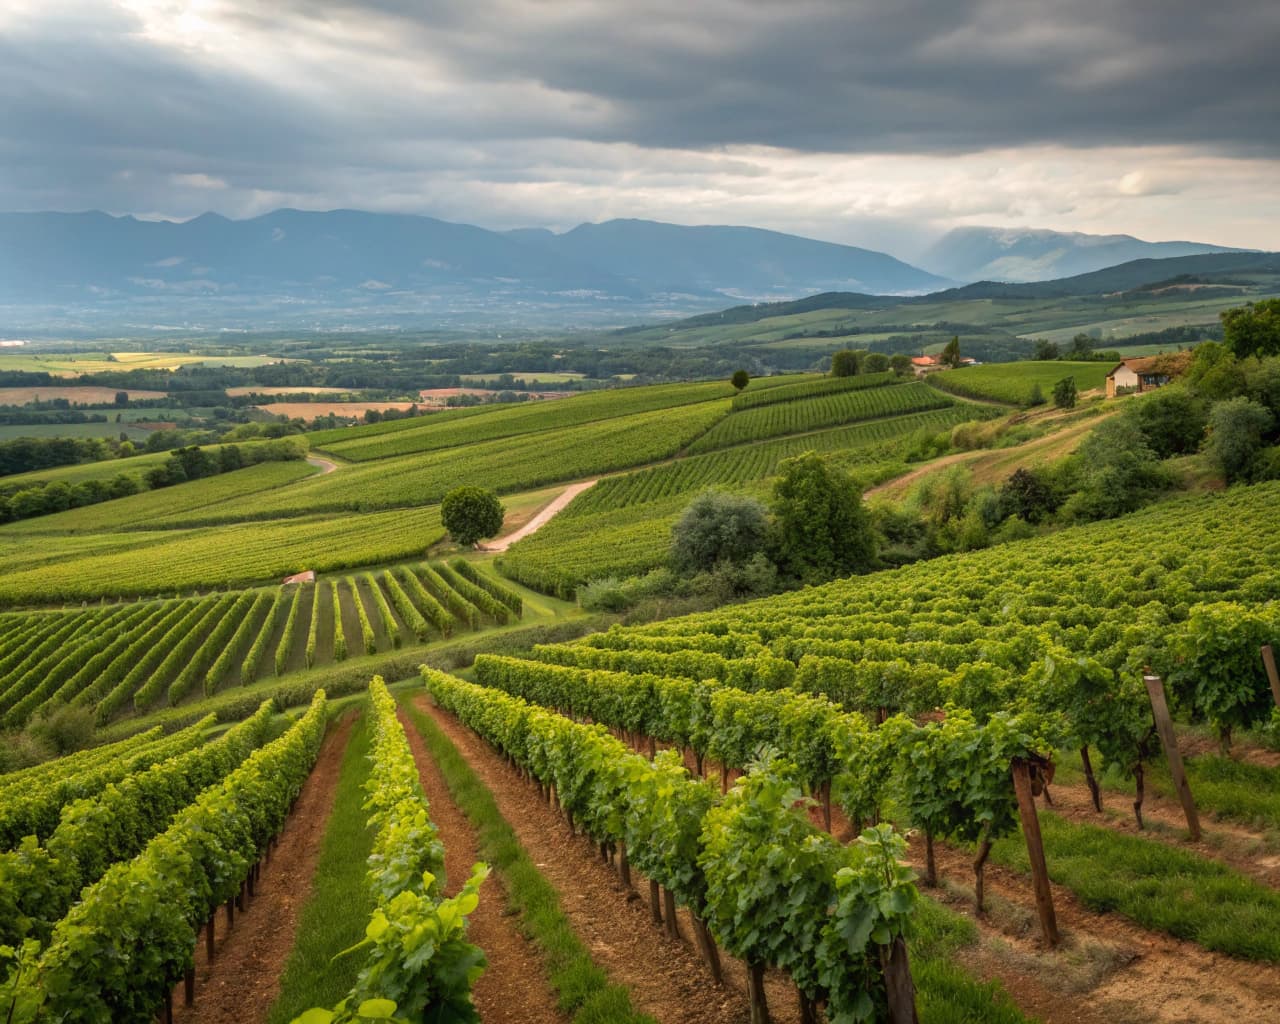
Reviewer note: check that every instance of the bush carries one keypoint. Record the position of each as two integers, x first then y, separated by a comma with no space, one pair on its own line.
1065,393
1172,420
718,527
1236,431
64,729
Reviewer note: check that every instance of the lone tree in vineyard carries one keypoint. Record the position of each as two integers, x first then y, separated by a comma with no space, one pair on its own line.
821,529
740,379
471,514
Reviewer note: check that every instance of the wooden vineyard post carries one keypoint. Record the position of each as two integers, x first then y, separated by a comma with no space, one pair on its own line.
1164,726
624,865
189,987
655,902
1269,662
755,991
1035,850
898,986
669,913
707,946
208,939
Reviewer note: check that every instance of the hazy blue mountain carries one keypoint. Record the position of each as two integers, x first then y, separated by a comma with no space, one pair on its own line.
734,261
360,269
1014,254
62,257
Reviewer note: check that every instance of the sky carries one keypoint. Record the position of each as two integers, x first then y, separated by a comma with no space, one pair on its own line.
867,122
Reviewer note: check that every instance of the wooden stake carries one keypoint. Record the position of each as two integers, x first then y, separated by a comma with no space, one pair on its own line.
655,902
707,947
669,913
189,987
898,986
208,940
1035,850
755,989
1090,781
231,913
1164,726
168,1007
1269,663
930,863
808,1011
624,866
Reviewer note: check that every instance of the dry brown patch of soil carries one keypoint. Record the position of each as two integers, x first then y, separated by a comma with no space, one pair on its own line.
1106,967
76,396
514,987
243,980
310,410
666,978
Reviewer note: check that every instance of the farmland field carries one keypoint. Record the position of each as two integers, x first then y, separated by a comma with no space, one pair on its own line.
310,410
1013,382
631,787
74,365
76,396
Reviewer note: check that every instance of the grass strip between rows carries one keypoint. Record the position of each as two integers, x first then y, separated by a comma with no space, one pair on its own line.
581,986
1157,886
335,916
945,992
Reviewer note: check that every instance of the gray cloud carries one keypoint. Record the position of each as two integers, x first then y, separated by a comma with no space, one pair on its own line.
488,104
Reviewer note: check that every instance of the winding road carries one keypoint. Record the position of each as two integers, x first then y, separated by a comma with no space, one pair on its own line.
538,521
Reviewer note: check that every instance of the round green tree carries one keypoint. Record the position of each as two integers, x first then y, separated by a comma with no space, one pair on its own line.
821,528
471,514
740,379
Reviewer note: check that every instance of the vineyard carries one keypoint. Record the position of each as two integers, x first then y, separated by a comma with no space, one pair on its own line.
135,657
949,792
823,410
405,437
1014,382
622,525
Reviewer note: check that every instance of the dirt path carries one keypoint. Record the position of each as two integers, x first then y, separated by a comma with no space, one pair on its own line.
990,465
1107,967
900,483
541,519
324,465
244,978
513,988
666,978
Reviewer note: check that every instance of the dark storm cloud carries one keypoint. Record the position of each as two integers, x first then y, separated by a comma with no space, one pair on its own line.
908,76
136,106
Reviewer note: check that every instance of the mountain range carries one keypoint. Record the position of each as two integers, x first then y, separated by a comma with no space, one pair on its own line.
1016,254
347,267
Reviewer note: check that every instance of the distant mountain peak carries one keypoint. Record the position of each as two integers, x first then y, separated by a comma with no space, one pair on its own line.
1009,254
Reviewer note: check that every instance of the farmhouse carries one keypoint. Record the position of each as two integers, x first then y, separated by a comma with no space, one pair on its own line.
1137,375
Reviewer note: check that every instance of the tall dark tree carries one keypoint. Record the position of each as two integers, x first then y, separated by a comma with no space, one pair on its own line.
951,354
1065,394
740,379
